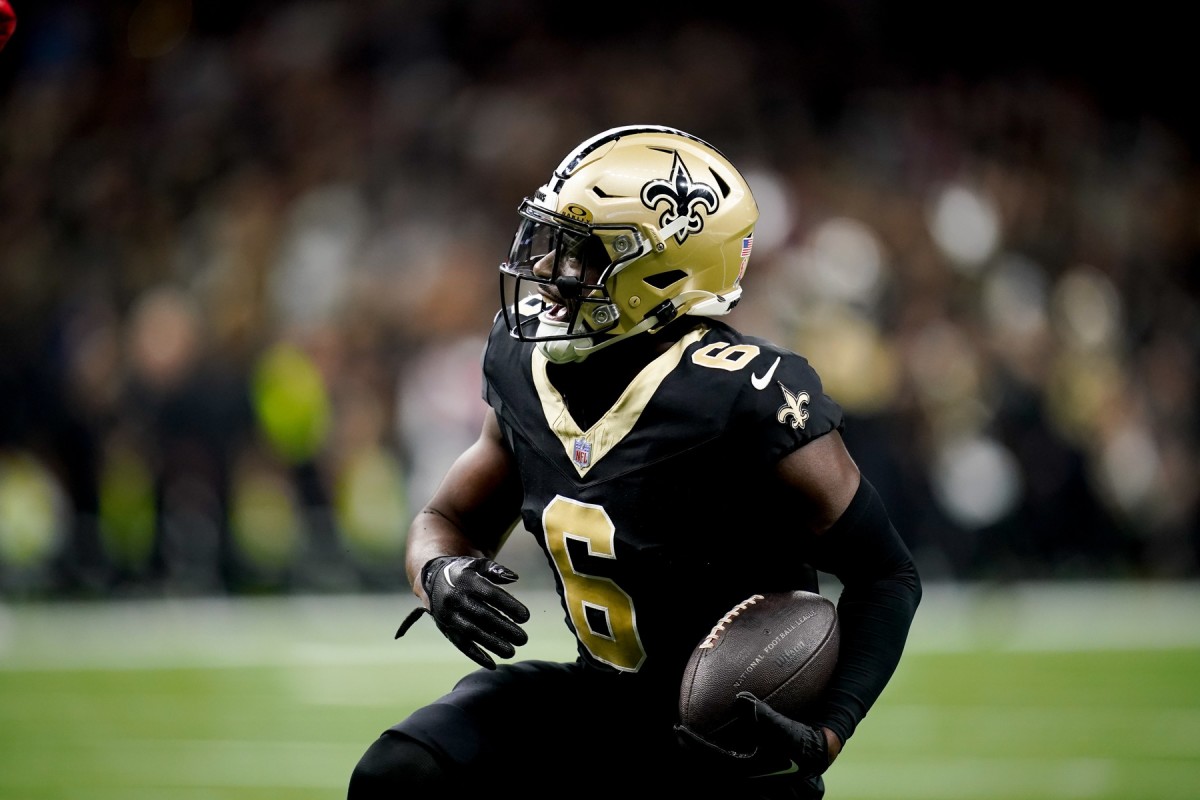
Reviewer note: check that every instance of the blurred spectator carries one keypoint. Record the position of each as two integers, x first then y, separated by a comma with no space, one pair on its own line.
190,416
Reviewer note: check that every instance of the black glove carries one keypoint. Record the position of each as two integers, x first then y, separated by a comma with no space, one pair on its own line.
767,743
469,607
803,744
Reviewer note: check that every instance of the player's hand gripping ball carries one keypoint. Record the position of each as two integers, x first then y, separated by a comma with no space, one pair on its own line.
8,22
779,647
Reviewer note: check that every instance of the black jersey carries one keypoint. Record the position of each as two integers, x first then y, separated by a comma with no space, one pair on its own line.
666,512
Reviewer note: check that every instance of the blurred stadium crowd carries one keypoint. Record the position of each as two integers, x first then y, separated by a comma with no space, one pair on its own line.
248,261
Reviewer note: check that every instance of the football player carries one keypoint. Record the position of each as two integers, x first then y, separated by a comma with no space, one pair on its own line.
669,466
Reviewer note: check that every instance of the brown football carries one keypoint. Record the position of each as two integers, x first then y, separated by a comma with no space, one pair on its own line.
781,647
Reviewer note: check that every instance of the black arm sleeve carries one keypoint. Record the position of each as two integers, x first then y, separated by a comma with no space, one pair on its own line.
875,610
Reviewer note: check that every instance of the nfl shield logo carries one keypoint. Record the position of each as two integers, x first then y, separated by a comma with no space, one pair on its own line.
583,453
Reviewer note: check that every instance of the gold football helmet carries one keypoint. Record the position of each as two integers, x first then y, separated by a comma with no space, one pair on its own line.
638,225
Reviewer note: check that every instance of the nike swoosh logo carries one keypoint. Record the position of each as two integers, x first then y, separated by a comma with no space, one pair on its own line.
791,767
761,383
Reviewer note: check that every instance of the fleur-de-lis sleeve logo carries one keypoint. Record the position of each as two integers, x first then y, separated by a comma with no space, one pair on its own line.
683,197
793,411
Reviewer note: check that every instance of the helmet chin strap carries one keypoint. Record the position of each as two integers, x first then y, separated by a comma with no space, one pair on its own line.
582,348
565,351
559,351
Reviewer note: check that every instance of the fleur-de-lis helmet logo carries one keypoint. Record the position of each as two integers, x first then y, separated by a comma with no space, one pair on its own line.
683,198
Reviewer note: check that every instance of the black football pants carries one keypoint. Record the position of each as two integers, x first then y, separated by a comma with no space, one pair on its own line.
538,729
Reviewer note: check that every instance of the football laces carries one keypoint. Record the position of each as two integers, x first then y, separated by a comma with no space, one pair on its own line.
710,641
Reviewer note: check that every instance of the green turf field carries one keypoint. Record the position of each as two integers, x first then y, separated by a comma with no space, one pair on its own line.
1089,692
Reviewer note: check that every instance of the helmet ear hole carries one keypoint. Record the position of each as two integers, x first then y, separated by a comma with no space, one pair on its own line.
662,280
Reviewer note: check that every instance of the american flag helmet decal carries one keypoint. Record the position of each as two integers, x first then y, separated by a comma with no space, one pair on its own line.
747,246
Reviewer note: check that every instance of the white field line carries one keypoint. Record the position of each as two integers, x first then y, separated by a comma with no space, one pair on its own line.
916,730
1058,617
935,777
341,630
226,763
240,632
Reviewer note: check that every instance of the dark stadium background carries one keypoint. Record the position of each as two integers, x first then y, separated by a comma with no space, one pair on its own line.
248,255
